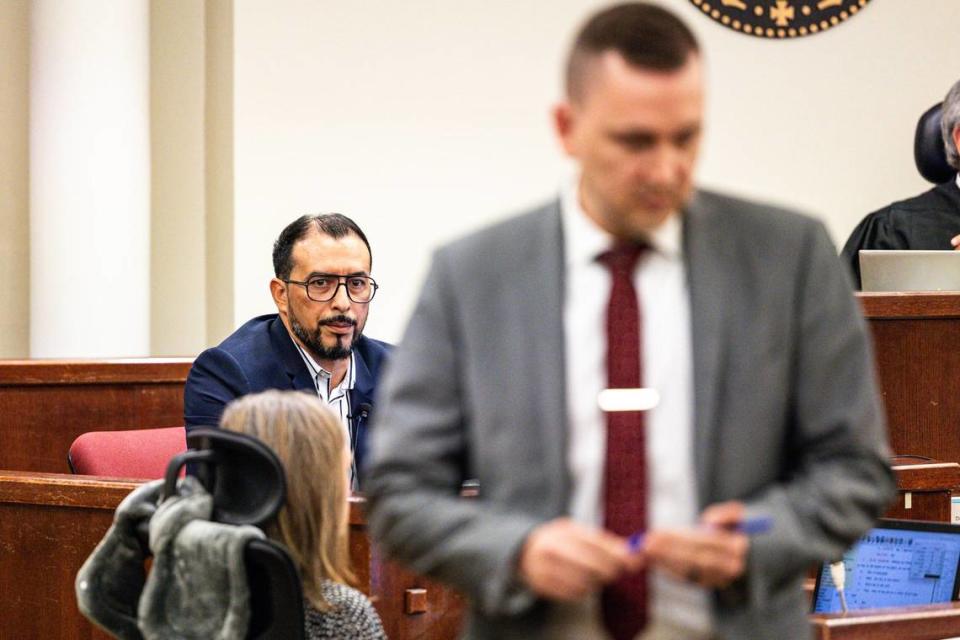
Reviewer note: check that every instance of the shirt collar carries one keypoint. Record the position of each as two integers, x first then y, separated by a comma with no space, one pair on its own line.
958,181
584,240
317,372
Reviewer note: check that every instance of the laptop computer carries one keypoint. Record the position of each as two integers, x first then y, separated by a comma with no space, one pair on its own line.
909,270
896,564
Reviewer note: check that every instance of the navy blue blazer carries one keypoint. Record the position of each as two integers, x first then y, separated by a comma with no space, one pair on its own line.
260,355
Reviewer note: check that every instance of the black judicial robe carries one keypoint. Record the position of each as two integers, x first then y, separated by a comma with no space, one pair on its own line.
927,221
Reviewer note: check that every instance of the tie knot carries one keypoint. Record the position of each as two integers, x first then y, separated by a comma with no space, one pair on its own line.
622,256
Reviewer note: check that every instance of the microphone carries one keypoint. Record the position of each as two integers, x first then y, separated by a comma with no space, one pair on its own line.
364,409
839,574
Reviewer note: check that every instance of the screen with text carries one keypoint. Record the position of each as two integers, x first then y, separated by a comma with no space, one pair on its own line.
894,568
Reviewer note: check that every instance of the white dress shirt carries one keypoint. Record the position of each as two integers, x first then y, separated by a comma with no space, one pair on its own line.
660,280
336,398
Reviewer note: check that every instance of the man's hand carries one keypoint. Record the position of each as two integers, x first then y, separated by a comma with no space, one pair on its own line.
711,555
565,560
955,241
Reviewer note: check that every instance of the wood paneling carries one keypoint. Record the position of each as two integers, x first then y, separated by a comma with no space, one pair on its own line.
46,404
917,346
437,611
924,491
49,524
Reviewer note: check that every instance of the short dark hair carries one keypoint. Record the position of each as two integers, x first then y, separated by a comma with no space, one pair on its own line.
335,225
647,36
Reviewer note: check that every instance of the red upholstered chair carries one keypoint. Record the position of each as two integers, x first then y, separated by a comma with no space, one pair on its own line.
139,453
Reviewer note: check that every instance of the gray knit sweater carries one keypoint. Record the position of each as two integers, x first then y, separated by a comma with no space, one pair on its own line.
352,616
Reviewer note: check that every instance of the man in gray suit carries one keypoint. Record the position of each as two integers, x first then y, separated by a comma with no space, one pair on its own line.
738,316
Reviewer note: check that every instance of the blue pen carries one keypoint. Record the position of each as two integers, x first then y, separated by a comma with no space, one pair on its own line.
750,526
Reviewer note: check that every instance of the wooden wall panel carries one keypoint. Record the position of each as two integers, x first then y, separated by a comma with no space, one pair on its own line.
916,338
48,527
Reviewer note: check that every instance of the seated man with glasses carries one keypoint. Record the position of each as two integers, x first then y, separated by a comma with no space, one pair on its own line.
315,343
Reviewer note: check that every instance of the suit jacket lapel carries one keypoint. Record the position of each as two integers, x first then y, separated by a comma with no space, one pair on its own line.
703,251
363,386
290,358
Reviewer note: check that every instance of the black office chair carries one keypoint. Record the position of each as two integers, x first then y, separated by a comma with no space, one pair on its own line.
248,486
928,151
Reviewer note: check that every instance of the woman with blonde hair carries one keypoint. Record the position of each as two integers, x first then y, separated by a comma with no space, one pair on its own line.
312,525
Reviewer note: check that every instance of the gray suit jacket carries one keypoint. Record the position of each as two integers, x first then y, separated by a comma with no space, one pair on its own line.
786,410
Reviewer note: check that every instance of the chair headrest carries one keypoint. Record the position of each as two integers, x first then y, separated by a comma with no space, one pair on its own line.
244,476
928,150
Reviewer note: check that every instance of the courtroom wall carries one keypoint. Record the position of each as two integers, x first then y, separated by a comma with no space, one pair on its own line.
427,119
178,294
14,179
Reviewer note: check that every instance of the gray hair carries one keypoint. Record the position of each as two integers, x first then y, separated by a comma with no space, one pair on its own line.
949,121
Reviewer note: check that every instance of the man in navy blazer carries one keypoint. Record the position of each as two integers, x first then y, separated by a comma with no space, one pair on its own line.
315,343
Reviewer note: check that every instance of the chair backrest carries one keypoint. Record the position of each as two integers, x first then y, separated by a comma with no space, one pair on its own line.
138,453
928,151
276,595
248,485
244,476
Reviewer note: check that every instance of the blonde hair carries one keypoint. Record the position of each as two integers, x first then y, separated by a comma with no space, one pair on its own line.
309,441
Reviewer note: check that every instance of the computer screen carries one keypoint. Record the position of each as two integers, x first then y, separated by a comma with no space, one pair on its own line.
909,270
897,563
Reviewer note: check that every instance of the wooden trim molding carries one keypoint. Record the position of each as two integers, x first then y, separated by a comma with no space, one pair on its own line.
66,372
925,622
62,489
910,304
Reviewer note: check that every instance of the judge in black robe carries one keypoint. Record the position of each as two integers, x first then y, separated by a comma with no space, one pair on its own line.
927,221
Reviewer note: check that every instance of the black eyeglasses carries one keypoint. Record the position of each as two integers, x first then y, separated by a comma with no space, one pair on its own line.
324,287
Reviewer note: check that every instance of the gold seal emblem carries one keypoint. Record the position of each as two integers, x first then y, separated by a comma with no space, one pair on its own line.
780,18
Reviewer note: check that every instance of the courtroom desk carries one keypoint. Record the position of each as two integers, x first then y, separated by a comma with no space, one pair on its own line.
916,340
46,404
924,490
49,524
928,622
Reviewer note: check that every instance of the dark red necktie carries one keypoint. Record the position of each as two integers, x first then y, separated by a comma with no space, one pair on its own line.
624,603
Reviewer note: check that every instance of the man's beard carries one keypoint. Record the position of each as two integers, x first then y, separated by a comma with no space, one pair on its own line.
311,340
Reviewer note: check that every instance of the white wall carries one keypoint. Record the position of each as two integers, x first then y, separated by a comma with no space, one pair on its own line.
420,120
178,293
89,178
14,179
426,119
429,118
220,160
826,123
